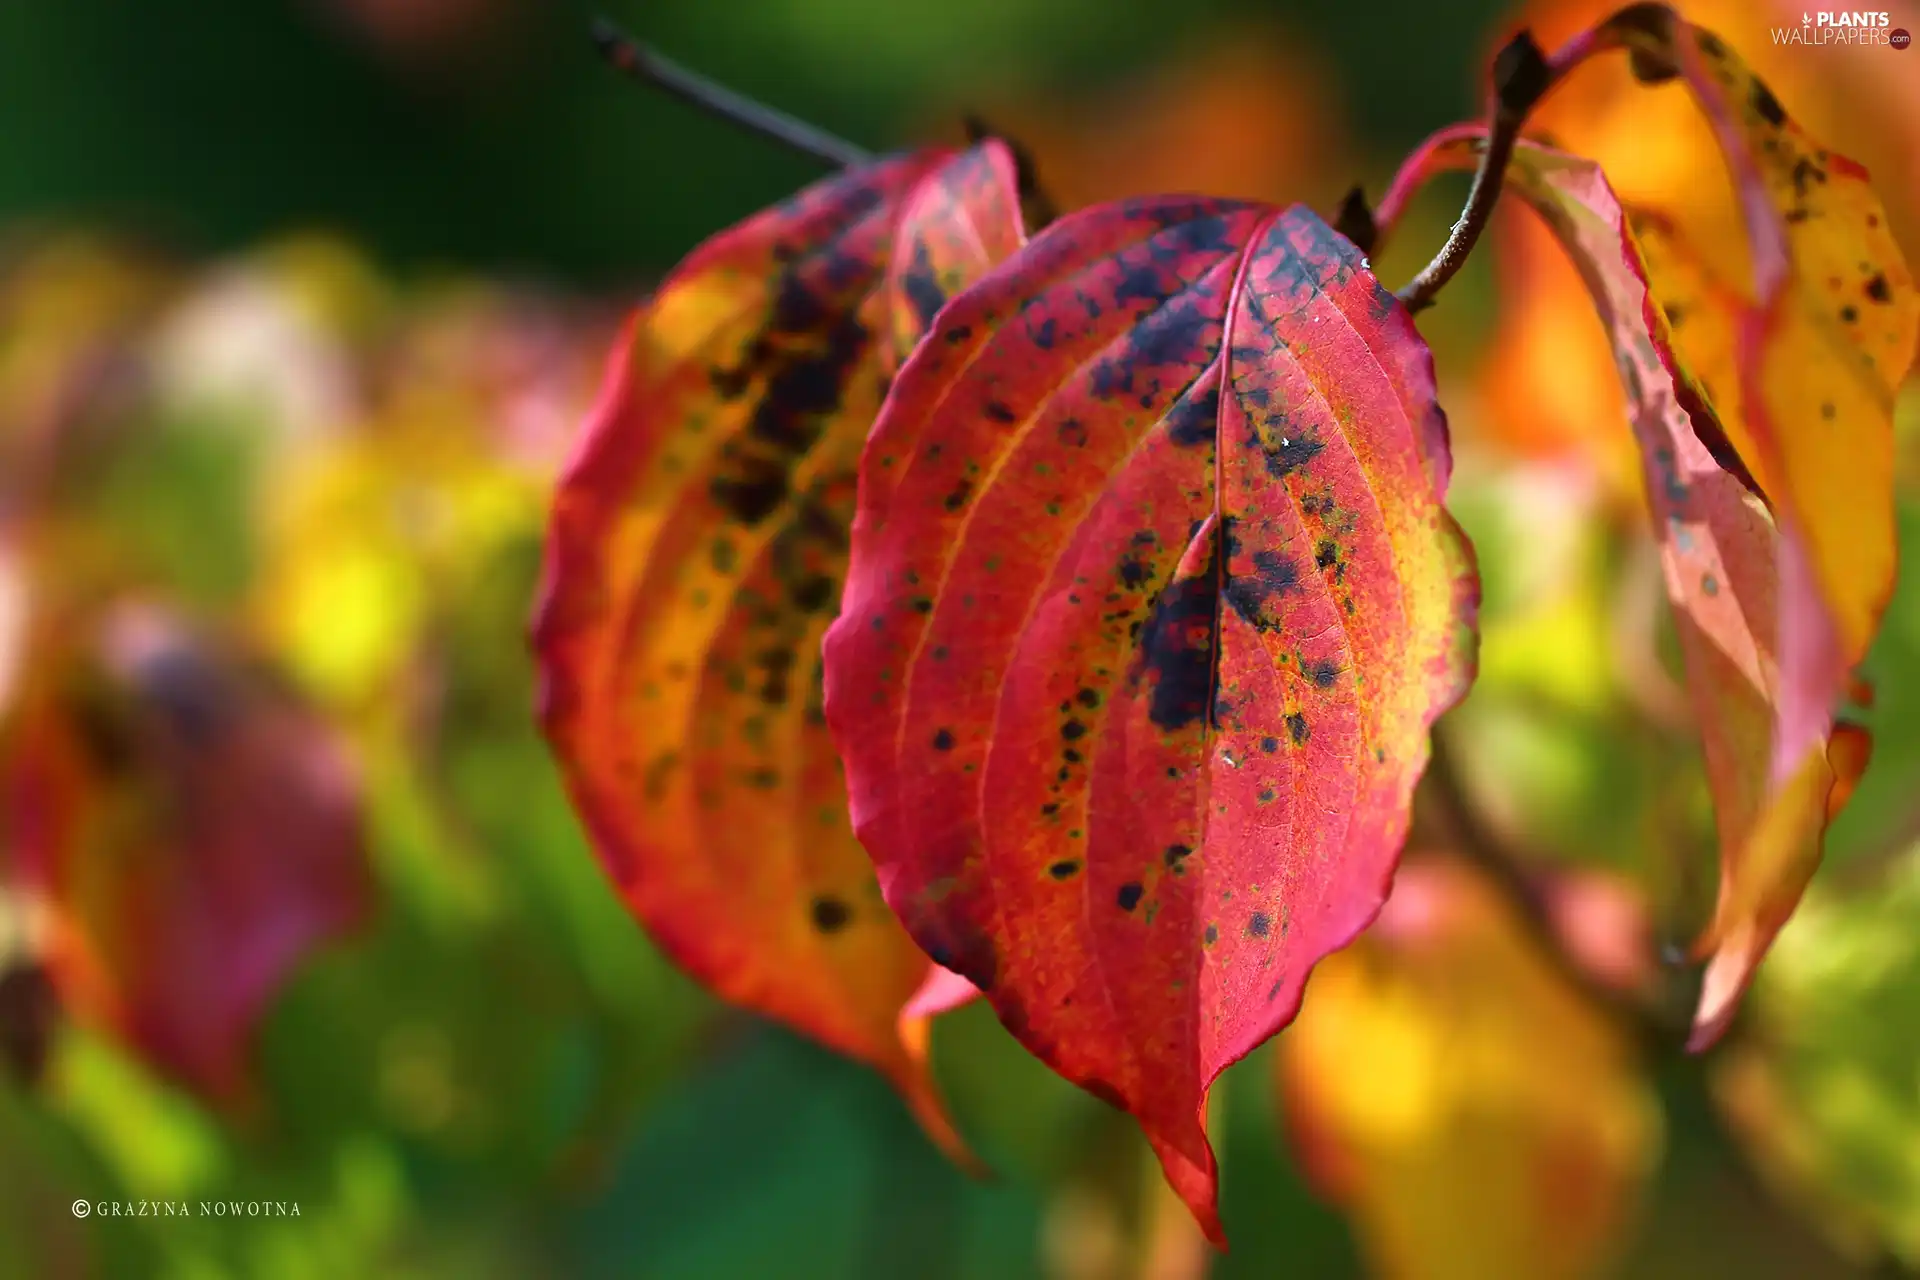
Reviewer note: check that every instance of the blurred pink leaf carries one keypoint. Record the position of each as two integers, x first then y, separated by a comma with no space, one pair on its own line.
195,834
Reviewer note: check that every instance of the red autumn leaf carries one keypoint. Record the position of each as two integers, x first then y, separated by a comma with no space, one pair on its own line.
1724,555
1151,604
694,561
192,832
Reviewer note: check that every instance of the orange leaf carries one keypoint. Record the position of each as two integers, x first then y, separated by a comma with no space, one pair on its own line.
1660,154
1730,569
694,561
1821,340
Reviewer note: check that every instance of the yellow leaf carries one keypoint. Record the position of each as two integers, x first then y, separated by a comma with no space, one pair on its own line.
1474,1115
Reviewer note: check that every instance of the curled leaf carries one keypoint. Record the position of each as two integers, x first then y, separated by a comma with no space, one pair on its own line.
1474,1113
694,561
1152,601
191,832
1822,334
1729,566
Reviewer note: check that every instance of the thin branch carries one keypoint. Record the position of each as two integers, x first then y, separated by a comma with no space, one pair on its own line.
649,67
1521,76
1477,842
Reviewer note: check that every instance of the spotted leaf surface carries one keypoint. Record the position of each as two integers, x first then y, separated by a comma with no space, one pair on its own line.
962,218
1728,563
1822,333
1152,601
695,558
191,833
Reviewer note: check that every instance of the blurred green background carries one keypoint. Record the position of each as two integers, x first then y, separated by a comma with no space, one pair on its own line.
387,240
481,132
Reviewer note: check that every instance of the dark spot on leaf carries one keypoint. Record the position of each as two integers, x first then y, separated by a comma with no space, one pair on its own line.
1848,315
1805,174
1129,895
1259,923
811,595
1297,727
754,493
958,333
1212,935
830,915
1767,105
1111,377
1249,594
1176,853
943,740
1292,453
1269,745
962,490
1088,698
1323,673
1879,290
1065,869
1073,731
1194,420
1176,646
1178,333
922,286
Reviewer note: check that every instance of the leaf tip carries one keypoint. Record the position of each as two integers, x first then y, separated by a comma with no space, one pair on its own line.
1728,974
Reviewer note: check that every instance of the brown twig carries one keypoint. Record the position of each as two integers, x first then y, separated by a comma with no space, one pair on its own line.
1475,840
628,55
1521,76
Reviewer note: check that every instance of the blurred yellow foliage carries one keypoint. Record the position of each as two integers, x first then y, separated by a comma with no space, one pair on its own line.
1478,1118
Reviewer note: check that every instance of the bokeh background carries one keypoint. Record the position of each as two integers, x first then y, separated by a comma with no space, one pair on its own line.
301,302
